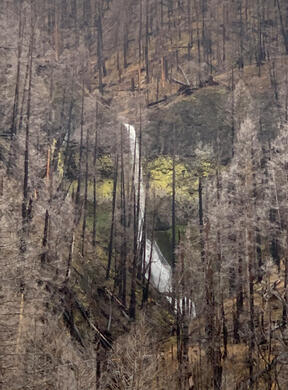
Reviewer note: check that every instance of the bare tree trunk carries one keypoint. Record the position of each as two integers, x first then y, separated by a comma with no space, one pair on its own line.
94,188
45,238
20,123
85,204
190,29
232,113
67,151
70,258
173,204
78,191
125,43
200,212
101,62
213,351
56,32
224,35
110,249
285,305
25,213
239,298
241,37
123,264
140,33
147,284
132,307
198,42
138,215
283,29
249,253
13,128
147,43
224,328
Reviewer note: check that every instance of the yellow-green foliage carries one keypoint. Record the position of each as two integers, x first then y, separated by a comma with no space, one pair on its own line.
104,189
186,178
105,163
60,165
206,168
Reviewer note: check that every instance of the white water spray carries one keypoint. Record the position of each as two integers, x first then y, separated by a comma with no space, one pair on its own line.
161,272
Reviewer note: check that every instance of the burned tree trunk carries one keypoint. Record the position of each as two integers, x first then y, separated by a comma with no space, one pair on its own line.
25,207
110,249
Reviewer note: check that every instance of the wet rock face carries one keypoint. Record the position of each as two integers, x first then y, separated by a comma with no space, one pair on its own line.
162,222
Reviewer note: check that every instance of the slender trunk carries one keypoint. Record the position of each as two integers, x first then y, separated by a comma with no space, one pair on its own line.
224,35
283,29
123,265
251,309
45,238
78,191
70,258
140,33
286,95
147,284
179,344
101,63
232,113
241,58
213,349
285,305
110,249
20,123
132,308
139,200
239,298
260,56
198,42
173,204
98,370
94,189
147,43
190,29
13,128
85,205
225,329
200,212
67,151
249,253
25,213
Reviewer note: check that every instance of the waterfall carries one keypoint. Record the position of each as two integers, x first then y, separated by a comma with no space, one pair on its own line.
161,271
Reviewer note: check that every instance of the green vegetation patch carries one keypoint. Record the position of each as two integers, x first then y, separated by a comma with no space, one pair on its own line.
161,170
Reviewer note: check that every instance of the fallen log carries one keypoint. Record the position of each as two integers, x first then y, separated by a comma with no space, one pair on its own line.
96,330
157,102
185,90
179,82
184,74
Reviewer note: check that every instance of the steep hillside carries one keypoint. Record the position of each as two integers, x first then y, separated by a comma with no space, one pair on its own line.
154,258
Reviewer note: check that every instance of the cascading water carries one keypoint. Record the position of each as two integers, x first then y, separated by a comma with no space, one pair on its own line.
161,272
